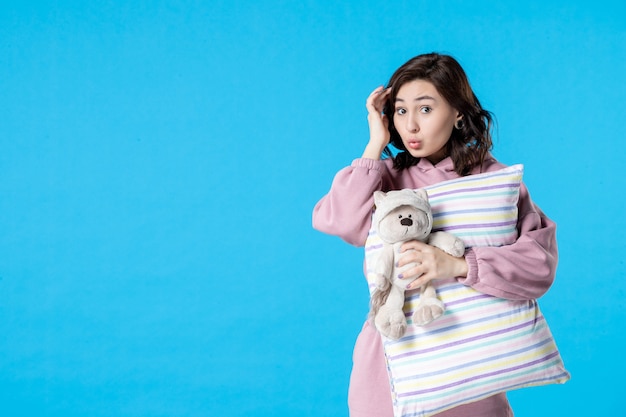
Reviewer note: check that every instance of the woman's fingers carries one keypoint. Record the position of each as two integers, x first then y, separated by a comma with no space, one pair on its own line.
418,260
412,252
376,100
423,263
422,280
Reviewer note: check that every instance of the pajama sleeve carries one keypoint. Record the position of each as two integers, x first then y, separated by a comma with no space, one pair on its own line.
347,208
520,271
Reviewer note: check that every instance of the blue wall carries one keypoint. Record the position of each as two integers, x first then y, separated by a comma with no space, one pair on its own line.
159,162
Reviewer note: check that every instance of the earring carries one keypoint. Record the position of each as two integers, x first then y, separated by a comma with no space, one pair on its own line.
459,124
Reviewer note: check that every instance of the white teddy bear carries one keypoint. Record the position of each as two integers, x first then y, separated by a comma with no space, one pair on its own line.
402,216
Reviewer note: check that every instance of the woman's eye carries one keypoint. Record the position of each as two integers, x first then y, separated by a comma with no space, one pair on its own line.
426,109
400,111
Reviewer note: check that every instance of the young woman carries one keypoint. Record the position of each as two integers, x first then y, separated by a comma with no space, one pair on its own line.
431,115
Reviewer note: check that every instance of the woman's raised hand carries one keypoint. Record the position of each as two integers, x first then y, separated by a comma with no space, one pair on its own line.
378,123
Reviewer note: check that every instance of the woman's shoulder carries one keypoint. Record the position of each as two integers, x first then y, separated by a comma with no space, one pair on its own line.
490,164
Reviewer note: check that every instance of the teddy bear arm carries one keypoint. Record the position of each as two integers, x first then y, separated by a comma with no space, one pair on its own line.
384,265
447,242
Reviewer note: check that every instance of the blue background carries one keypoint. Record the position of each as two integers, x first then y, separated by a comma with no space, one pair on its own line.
159,162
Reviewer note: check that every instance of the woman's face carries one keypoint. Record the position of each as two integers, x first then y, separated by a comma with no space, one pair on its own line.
424,120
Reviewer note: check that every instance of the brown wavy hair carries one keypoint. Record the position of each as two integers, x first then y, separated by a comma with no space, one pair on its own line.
467,146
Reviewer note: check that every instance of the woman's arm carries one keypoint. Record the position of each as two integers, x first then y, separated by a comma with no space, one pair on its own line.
347,208
521,271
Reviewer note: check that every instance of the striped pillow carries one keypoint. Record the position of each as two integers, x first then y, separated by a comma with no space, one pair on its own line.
482,345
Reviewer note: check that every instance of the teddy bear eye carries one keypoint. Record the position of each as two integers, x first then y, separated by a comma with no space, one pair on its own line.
399,216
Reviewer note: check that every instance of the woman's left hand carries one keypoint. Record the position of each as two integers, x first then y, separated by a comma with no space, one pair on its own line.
429,263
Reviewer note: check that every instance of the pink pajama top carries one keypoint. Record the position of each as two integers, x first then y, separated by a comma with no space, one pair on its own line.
523,270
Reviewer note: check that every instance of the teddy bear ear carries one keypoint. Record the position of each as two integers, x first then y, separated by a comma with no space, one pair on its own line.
422,193
378,197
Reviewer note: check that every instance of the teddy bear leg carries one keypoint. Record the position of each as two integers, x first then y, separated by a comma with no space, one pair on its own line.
390,319
429,307
391,323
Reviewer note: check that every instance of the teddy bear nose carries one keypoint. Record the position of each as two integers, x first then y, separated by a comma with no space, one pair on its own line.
406,222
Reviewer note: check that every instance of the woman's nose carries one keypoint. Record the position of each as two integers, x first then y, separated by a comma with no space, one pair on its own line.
411,124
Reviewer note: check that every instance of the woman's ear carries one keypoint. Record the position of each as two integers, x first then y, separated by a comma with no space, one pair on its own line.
459,123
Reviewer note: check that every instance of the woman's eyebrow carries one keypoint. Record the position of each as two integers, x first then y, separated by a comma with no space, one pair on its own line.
420,98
